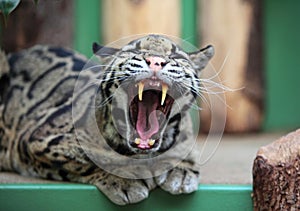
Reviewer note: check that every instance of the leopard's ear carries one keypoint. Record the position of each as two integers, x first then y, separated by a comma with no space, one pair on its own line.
103,51
201,58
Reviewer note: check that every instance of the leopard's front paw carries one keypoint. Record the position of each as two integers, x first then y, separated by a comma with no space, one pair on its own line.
126,191
178,181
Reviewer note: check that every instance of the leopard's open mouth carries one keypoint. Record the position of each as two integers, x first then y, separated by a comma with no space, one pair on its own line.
149,110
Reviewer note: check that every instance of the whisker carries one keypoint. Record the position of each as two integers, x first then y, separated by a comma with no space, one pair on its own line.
221,68
183,87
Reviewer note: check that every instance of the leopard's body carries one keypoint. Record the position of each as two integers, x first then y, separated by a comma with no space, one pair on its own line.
42,135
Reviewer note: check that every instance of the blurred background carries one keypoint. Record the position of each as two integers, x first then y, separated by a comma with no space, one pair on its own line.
256,41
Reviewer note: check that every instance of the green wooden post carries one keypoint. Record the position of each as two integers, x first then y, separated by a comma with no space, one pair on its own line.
282,62
87,197
189,21
189,34
87,25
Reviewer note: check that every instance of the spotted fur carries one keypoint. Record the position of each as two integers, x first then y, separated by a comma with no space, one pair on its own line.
47,128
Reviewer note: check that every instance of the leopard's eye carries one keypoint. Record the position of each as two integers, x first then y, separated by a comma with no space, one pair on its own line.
176,56
134,51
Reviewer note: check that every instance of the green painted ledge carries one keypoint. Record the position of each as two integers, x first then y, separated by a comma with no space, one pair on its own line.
86,197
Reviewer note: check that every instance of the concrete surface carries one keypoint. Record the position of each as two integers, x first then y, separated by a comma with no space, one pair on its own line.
233,159
230,164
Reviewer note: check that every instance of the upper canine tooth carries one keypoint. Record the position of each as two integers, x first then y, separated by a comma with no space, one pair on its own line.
164,88
141,89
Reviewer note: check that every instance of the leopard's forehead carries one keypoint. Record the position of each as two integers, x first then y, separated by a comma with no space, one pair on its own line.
153,44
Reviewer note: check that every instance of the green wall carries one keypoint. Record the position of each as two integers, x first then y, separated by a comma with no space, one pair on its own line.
88,23
282,63
87,26
189,14
281,45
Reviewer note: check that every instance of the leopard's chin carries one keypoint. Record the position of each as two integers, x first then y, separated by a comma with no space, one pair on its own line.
150,105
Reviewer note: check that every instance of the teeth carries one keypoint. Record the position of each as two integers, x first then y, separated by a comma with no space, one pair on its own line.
141,89
151,142
164,88
164,93
137,141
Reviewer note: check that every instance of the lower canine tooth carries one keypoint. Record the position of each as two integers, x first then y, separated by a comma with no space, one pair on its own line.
164,88
137,141
151,142
141,89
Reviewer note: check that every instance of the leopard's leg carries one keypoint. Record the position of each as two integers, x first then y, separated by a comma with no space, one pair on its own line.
184,178
5,162
120,190
61,157
185,175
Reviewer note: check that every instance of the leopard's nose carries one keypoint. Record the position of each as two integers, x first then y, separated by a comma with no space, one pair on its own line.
155,63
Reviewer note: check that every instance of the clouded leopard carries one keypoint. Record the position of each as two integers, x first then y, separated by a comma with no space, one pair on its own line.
119,122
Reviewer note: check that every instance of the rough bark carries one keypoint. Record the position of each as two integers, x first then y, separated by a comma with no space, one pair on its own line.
276,175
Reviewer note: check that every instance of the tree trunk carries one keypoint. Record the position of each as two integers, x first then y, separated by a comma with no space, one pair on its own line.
234,28
132,17
276,175
48,22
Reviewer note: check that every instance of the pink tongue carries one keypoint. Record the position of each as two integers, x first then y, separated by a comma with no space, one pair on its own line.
145,130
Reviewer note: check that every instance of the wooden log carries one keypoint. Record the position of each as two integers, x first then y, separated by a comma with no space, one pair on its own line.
234,28
131,17
48,22
276,175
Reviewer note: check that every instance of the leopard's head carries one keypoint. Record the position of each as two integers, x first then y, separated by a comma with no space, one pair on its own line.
146,82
